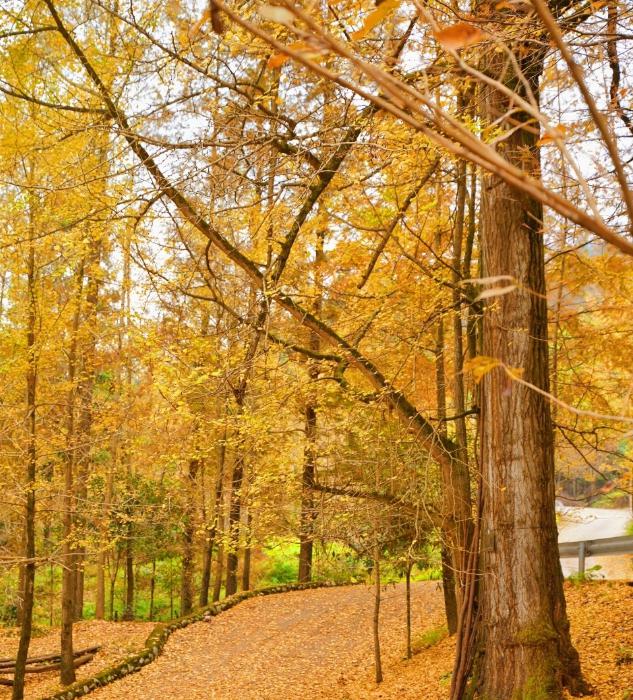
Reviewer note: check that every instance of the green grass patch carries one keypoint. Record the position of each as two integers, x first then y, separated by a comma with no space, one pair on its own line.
280,563
624,656
614,499
431,573
590,574
428,639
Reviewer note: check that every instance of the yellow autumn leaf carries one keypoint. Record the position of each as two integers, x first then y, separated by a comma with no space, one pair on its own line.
374,18
278,59
480,366
514,372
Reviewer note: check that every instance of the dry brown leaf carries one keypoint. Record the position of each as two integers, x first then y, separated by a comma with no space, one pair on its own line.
458,36
559,131
277,60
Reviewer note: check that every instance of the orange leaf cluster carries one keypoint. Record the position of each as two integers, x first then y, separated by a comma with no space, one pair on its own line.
459,36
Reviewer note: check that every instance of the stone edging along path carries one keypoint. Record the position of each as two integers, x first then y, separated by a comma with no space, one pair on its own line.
160,634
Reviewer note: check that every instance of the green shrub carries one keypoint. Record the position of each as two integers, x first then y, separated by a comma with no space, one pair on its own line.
280,565
9,614
590,574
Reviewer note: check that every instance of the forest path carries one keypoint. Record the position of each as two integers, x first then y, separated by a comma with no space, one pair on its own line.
304,644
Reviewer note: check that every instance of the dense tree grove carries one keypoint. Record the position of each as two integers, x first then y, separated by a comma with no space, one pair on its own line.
350,280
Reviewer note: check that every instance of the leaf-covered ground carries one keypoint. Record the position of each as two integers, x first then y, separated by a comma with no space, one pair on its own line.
317,644
307,644
117,639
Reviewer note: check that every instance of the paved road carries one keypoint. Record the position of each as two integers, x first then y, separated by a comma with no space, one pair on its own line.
312,644
591,524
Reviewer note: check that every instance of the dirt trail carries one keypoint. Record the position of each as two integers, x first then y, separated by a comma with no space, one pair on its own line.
305,644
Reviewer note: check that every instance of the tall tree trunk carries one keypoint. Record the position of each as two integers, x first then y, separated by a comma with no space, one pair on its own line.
152,589
448,562
448,589
306,525
128,612
188,538
103,527
69,553
20,586
235,505
100,587
28,568
113,572
246,563
526,650
215,526
235,510
86,345
126,308
48,473
376,618
235,502
219,573
407,575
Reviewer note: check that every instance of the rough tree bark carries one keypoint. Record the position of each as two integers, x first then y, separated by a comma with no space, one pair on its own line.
219,573
126,455
86,346
102,556
28,569
128,612
216,526
235,510
407,574
246,561
376,617
525,651
188,539
306,524
235,503
69,549
448,561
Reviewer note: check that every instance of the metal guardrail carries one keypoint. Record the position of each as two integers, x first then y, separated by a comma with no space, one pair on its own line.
595,548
